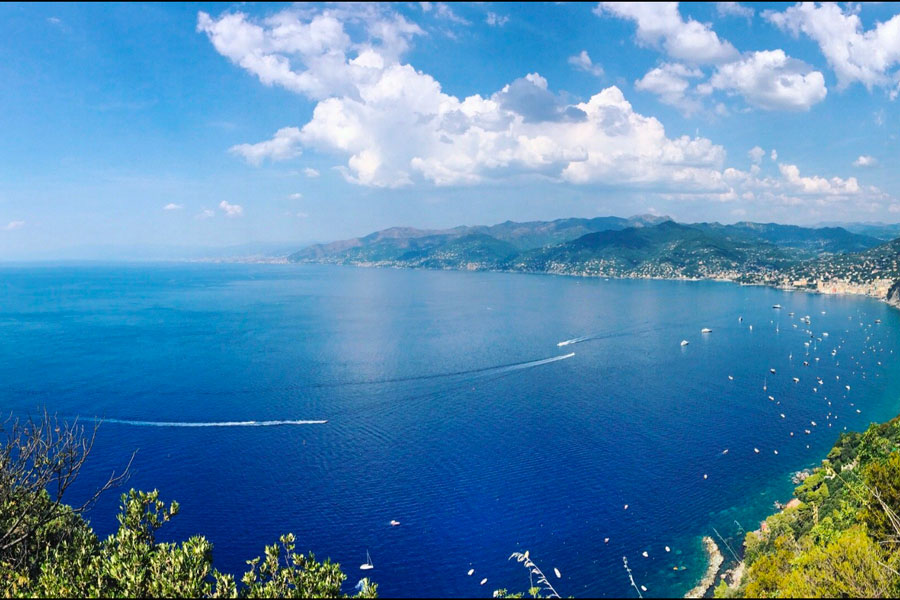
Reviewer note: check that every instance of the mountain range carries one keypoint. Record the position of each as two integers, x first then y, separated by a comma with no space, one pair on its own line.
639,246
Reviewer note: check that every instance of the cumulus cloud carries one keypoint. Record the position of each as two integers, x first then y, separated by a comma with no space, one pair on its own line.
768,79
660,25
310,172
756,154
834,186
231,210
205,214
771,80
295,196
14,225
734,9
670,82
855,54
284,145
495,20
173,206
583,62
392,125
865,161
774,154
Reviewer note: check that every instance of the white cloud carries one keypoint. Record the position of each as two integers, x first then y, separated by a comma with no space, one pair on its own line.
14,225
834,186
774,154
295,196
670,82
756,154
443,11
659,24
310,57
583,62
767,79
173,206
302,215
231,210
205,214
770,80
285,145
734,9
310,172
854,53
865,161
495,20
393,126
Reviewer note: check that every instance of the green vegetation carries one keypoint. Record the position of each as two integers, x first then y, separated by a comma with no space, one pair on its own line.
842,539
828,259
48,550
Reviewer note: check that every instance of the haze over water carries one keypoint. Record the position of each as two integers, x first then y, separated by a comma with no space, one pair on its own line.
444,413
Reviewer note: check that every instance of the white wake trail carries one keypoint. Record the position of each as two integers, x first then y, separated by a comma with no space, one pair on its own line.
535,363
574,340
210,424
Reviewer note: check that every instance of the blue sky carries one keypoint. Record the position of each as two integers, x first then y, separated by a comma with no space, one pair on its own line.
218,124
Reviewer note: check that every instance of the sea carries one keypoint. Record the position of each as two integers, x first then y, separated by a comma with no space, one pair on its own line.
486,413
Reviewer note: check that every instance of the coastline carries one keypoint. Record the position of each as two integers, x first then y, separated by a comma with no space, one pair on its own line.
709,578
887,299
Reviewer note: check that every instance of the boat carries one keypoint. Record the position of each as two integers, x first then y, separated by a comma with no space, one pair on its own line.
772,371
776,306
368,564
706,330
394,523
684,342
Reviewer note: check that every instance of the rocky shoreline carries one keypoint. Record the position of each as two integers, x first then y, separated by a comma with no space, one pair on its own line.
715,563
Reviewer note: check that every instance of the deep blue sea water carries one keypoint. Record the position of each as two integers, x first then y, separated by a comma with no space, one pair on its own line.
442,414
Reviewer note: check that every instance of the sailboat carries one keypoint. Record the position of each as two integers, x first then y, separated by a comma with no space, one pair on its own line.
368,564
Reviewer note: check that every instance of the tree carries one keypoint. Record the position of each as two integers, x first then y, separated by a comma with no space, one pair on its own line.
48,550
39,461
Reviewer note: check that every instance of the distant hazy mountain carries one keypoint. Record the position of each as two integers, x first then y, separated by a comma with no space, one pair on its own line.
643,245
667,249
810,241
882,231
394,243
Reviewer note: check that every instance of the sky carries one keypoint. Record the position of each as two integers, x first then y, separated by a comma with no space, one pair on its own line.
210,125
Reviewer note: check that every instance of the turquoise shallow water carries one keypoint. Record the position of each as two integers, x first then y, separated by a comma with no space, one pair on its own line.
445,412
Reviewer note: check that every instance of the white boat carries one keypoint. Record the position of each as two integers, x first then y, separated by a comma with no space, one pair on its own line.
706,330
684,342
776,306
368,564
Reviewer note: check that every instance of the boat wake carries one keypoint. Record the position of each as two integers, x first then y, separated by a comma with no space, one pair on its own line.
486,370
209,424
534,363
583,338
